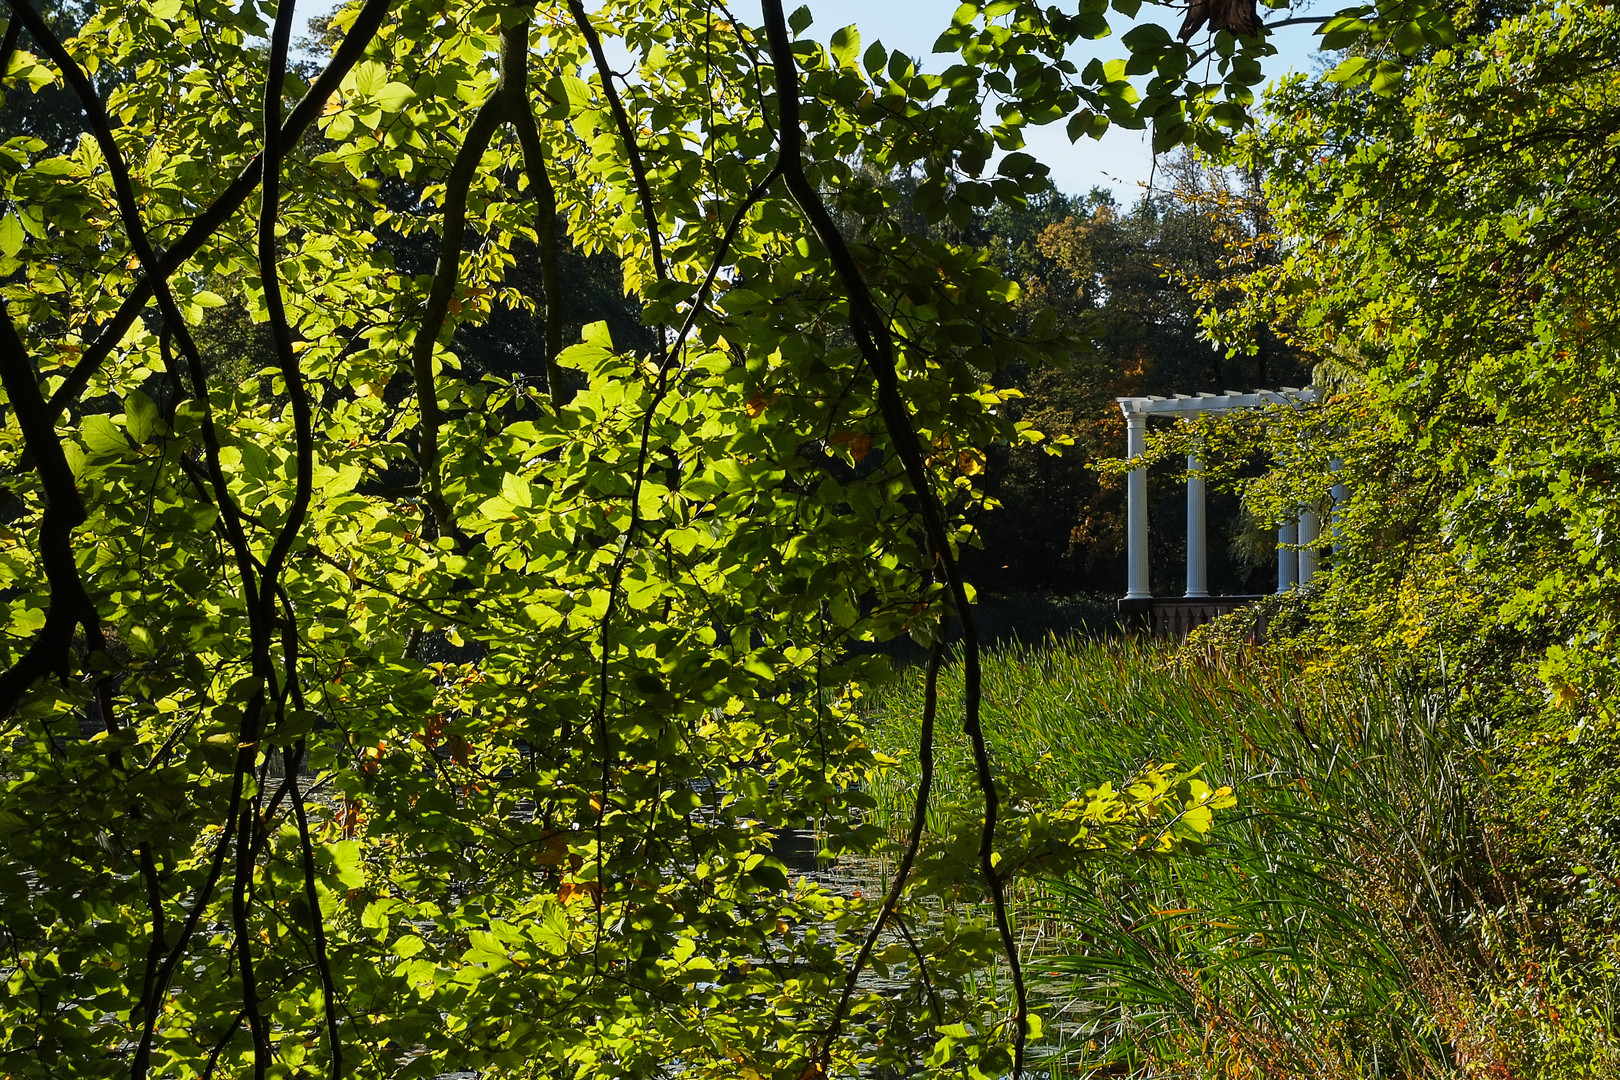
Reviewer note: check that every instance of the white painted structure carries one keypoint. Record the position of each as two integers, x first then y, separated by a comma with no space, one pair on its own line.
1296,540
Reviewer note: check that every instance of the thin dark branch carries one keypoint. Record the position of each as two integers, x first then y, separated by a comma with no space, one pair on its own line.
293,761
322,951
516,57
638,169
276,312
702,298
205,892
452,232
219,1047
919,822
922,969
260,625
873,337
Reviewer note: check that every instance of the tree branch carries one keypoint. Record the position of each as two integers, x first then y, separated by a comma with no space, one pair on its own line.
304,450
70,605
545,198
445,275
638,169
919,821
872,336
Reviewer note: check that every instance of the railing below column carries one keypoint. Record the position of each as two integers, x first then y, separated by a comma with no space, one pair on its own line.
1173,619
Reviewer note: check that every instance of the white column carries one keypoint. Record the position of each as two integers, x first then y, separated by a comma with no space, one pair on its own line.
1136,522
1310,528
1197,554
1287,556
1341,495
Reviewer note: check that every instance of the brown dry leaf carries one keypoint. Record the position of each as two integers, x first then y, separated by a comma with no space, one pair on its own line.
568,891
553,849
970,462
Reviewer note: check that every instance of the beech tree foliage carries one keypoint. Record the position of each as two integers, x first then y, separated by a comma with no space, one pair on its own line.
360,718
1446,252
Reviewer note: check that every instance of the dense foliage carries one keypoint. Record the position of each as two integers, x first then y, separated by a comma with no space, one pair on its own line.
1448,255
367,713
412,660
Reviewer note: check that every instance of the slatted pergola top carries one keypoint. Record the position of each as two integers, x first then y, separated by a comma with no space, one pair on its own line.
1296,539
1182,404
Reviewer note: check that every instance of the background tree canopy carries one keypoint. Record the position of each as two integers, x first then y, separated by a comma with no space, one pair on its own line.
410,654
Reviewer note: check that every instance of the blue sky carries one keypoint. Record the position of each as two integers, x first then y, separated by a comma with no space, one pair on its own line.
1120,161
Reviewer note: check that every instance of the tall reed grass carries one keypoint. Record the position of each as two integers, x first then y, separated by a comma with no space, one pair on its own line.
1349,917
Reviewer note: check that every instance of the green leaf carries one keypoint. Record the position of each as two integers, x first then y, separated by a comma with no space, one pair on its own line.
368,77
345,856
800,20
11,236
141,417
1148,37
394,96
1019,164
1350,70
1086,124
102,438
515,489
570,94
876,56
1388,77
846,46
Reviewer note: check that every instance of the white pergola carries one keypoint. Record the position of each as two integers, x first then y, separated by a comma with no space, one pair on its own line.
1296,539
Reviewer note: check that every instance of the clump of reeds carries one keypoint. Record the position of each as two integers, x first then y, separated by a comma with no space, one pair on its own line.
1350,917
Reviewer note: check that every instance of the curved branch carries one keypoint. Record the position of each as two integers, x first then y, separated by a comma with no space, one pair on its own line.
293,760
70,605
156,279
638,169
276,311
872,335
142,1062
545,211
919,821
445,275
304,449
702,298
156,978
